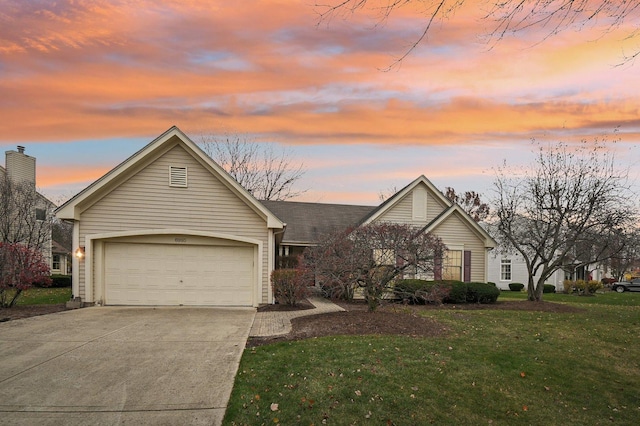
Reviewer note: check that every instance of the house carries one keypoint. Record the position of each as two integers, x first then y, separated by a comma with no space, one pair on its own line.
26,214
507,268
60,259
168,226
419,204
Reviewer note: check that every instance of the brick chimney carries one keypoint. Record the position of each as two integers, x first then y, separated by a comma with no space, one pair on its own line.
20,167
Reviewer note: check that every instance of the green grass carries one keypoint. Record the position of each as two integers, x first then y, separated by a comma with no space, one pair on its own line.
601,298
44,296
495,367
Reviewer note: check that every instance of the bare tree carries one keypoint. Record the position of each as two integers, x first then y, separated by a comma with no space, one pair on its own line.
25,215
371,257
470,202
508,17
623,260
267,173
562,208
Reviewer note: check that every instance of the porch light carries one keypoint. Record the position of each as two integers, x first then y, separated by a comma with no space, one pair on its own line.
80,252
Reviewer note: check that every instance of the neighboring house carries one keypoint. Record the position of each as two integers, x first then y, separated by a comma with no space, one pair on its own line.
31,228
419,204
506,268
60,259
169,226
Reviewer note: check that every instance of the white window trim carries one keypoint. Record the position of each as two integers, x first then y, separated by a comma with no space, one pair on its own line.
510,263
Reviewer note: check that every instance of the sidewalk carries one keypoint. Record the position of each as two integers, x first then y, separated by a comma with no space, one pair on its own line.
277,323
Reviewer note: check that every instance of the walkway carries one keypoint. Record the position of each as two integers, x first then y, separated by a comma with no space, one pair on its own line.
277,323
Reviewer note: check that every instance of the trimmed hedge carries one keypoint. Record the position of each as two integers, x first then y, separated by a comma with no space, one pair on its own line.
458,292
516,286
549,288
57,281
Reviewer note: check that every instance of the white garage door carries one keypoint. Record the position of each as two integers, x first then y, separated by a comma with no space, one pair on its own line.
162,274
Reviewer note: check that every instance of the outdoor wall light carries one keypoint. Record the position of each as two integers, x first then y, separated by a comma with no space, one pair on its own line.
80,252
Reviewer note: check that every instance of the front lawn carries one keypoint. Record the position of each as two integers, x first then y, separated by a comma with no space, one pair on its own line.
44,296
494,367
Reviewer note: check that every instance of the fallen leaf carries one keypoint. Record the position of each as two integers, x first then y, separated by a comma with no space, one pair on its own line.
525,408
274,406
358,393
522,374
257,397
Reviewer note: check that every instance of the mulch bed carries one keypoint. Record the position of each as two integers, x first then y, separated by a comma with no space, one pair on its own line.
18,312
391,319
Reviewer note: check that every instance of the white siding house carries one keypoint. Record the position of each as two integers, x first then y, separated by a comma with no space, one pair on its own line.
168,226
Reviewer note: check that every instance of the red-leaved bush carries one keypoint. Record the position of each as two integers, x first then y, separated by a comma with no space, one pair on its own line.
20,267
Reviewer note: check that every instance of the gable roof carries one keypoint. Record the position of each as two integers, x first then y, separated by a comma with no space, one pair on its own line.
398,196
73,207
489,242
308,223
446,213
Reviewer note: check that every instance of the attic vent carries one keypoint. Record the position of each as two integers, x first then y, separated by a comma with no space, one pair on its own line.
178,176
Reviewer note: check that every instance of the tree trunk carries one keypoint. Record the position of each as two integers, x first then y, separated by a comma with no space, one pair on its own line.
534,290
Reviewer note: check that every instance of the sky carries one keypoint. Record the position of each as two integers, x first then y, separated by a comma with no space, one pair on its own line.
85,84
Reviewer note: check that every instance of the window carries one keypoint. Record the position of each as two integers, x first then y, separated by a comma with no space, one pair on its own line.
41,214
178,176
55,262
452,265
505,270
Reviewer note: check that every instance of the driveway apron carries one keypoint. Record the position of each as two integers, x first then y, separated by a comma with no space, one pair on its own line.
121,365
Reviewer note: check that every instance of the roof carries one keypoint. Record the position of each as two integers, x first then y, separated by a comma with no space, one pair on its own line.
72,208
58,248
308,223
398,196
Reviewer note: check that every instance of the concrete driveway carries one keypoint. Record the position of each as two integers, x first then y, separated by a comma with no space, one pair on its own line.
109,365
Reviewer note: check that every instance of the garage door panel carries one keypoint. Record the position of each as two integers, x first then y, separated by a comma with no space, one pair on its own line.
160,274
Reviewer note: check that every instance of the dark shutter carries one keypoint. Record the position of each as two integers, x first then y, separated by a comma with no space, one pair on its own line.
437,268
467,266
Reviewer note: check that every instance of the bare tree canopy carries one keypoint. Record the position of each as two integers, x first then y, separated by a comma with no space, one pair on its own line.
267,173
470,202
565,209
371,257
24,215
505,17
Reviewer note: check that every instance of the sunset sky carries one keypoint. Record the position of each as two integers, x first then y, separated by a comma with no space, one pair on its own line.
85,84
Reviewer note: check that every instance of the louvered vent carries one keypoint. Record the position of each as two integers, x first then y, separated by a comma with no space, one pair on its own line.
178,176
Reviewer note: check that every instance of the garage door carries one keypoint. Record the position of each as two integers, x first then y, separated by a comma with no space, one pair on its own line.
162,274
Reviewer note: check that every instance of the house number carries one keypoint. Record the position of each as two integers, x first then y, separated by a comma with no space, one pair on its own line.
180,240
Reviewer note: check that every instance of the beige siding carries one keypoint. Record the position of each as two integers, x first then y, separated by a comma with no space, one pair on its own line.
454,231
402,211
145,201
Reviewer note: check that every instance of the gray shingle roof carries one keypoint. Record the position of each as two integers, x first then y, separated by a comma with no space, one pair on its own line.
308,223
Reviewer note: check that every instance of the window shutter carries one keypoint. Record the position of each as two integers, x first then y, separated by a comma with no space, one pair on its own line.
437,268
467,266
178,176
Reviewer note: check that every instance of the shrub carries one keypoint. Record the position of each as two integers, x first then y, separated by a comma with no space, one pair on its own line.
549,288
289,286
447,291
516,286
568,286
60,281
406,289
482,293
457,291
57,281
587,287
434,294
